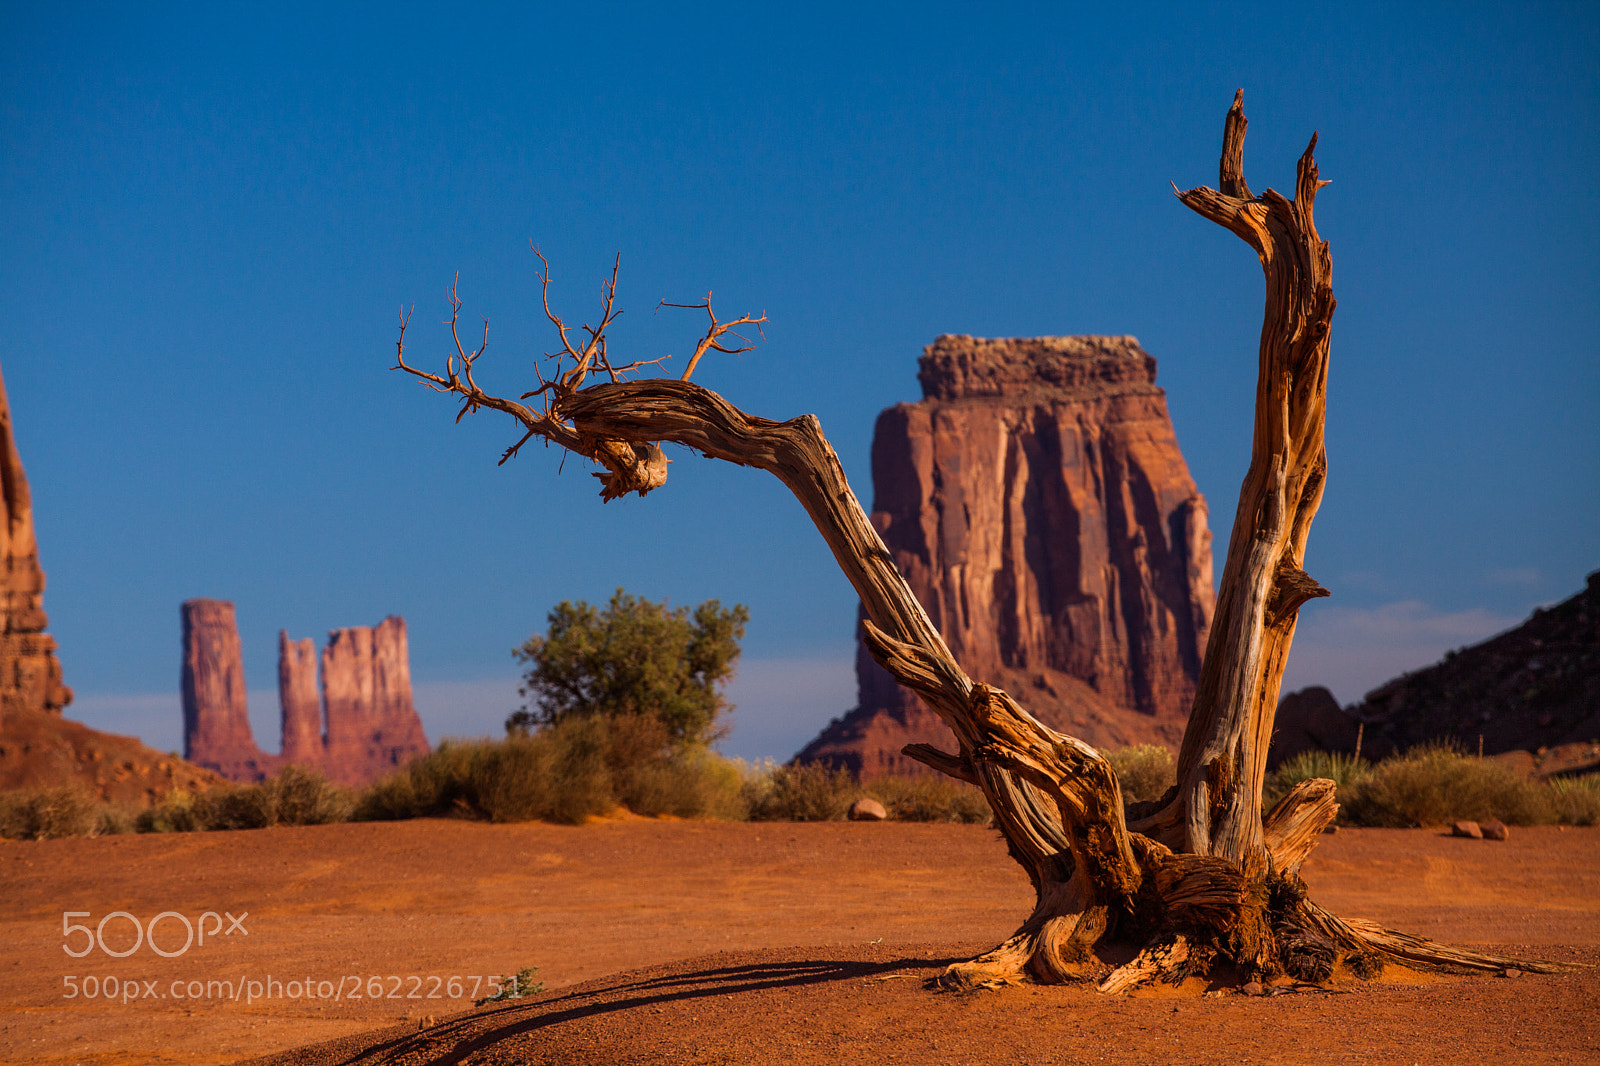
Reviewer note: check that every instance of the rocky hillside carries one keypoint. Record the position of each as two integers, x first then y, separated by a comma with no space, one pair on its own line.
1533,687
42,750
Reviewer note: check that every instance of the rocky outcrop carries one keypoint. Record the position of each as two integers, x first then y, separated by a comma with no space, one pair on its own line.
1535,688
216,719
366,688
1039,507
362,726
30,673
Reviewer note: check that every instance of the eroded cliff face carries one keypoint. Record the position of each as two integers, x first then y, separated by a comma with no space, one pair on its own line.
30,673
1038,504
362,725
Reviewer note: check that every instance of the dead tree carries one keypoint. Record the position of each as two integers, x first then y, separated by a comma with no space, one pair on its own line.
1196,880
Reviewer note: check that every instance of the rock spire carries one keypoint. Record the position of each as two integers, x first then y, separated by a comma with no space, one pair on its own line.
30,673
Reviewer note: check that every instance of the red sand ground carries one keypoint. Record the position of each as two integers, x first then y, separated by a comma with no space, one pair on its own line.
710,942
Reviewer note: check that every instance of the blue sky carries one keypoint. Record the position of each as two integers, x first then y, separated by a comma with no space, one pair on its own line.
213,214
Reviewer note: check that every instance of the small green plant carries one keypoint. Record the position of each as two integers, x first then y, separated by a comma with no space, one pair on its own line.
1577,799
1145,771
1346,771
523,984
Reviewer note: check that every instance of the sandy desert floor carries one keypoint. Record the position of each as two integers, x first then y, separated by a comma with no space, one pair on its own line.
664,941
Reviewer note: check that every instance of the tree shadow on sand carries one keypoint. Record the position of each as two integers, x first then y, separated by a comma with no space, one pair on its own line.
473,1033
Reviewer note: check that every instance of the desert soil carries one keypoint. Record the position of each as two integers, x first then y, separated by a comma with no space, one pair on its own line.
662,941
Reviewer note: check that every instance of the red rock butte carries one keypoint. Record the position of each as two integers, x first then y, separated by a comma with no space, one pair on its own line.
1040,509
362,726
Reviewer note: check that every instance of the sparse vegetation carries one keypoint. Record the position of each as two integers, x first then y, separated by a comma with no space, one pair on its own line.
590,765
579,766
1145,771
930,798
804,793
296,795
1436,784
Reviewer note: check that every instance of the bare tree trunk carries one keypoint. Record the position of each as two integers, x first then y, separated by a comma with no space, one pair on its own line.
1204,879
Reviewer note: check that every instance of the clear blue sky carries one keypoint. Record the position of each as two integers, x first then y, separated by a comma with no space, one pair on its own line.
213,213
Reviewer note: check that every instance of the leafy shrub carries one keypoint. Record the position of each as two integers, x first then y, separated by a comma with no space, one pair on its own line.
1344,770
1435,785
1577,799
930,798
635,658
52,813
805,793
1145,771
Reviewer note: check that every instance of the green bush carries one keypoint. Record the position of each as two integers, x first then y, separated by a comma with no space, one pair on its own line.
1435,784
1344,770
52,813
1145,771
930,798
634,659
1577,799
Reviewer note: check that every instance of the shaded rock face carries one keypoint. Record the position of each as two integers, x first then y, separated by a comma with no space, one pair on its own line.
216,719
1532,688
30,673
1039,507
366,688
1310,720
362,725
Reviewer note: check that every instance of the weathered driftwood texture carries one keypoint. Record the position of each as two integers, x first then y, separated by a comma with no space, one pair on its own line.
1198,879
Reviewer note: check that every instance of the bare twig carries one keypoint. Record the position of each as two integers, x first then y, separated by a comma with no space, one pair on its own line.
712,341
631,465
